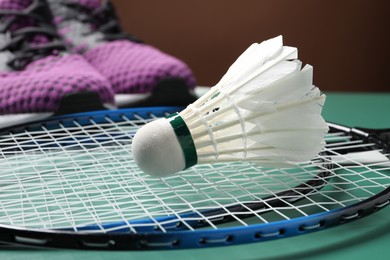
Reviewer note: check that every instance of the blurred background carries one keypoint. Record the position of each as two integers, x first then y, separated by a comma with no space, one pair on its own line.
347,42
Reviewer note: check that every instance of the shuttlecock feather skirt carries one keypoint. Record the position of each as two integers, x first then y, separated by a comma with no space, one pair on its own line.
264,110
273,119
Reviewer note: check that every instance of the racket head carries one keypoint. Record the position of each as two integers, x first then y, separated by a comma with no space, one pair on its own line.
79,188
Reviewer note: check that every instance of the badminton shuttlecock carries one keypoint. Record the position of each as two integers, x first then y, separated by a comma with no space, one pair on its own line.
265,109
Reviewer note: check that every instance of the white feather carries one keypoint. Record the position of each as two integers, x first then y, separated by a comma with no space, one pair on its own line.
366,158
264,109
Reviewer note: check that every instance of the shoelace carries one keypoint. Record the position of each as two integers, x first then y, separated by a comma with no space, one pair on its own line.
20,39
104,17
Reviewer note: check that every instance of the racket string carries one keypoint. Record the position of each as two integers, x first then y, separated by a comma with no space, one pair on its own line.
82,176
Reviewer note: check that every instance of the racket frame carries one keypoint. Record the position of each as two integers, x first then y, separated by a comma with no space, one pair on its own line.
178,238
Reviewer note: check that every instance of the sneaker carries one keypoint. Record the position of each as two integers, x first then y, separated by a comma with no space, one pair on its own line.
140,74
38,77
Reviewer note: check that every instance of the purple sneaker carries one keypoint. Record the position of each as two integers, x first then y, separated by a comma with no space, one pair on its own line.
38,77
139,74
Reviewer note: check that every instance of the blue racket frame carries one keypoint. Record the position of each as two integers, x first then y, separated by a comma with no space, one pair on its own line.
176,236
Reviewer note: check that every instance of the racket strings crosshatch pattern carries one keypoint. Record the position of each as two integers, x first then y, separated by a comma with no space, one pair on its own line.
71,182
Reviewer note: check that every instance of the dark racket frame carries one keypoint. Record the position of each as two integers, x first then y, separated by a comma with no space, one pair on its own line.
177,235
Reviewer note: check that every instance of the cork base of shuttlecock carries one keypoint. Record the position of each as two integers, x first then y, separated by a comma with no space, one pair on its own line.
156,149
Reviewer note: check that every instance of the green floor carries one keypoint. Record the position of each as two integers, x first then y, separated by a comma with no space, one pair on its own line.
367,238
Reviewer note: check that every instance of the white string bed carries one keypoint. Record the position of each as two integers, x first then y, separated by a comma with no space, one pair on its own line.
71,177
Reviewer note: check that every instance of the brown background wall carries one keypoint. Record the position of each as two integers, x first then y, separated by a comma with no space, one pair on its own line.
347,41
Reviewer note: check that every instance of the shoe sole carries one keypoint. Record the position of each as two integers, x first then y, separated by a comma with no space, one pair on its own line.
169,92
70,103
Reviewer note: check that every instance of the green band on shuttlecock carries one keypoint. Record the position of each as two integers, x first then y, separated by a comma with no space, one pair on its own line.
185,139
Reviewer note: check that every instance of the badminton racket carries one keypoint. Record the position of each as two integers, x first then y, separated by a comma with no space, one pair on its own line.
71,182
